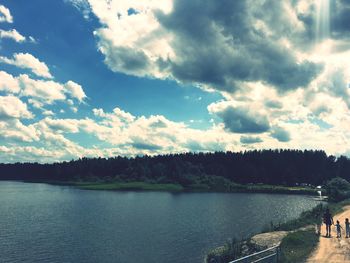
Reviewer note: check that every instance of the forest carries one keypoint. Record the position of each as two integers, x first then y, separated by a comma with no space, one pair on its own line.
272,167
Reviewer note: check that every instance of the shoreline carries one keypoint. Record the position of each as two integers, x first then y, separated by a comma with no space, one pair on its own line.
178,188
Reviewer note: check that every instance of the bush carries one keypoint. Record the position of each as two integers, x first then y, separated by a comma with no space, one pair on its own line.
338,189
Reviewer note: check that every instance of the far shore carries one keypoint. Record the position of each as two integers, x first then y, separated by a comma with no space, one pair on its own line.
173,187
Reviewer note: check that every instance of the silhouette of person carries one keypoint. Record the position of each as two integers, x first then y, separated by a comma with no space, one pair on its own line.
347,227
328,220
339,228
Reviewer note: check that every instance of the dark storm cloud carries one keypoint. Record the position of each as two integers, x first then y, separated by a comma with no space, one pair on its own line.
250,140
217,43
238,120
280,134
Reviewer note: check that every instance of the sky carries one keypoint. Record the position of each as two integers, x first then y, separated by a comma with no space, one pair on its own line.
101,78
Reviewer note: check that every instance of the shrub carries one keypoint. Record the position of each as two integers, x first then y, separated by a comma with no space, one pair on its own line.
338,189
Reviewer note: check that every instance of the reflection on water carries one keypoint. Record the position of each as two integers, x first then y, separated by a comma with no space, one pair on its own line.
47,223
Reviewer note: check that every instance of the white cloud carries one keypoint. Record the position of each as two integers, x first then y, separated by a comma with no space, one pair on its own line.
12,34
13,129
258,55
8,83
41,91
29,154
61,125
12,107
132,44
48,113
75,90
28,61
154,134
5,15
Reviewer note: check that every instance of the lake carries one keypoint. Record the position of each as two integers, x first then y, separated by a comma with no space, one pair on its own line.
46,223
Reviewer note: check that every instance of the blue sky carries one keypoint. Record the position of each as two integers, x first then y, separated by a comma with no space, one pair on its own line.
66,43
104,78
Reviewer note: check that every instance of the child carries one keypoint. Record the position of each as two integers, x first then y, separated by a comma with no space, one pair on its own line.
347,227
338,226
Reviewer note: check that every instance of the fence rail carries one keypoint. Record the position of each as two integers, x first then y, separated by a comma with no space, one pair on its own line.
270,255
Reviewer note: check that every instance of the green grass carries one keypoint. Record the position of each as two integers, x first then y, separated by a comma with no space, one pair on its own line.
297,246
136,186
223,186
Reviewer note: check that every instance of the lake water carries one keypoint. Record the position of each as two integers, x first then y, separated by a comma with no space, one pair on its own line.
45,223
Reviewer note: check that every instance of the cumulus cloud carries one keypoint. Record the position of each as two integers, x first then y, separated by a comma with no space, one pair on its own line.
8,83
229,42
30,154
12,107
14,130
280,89
75,90
261,56
12,34
280,134
28,61
41,91
239,120
5,15
61,125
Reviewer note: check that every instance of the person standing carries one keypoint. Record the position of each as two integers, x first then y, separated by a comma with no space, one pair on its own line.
328,220
347,227
339,228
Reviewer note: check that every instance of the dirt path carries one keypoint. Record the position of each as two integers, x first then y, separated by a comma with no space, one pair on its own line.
333,250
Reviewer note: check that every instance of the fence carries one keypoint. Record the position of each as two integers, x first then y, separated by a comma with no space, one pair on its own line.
270,255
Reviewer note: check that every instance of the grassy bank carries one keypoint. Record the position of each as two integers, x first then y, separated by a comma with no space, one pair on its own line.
172,187
297,246
223,186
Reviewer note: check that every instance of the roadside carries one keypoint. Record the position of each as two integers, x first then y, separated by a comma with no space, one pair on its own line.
297,238
333,249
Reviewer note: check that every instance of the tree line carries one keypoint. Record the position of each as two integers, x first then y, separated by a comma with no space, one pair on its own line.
275,167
